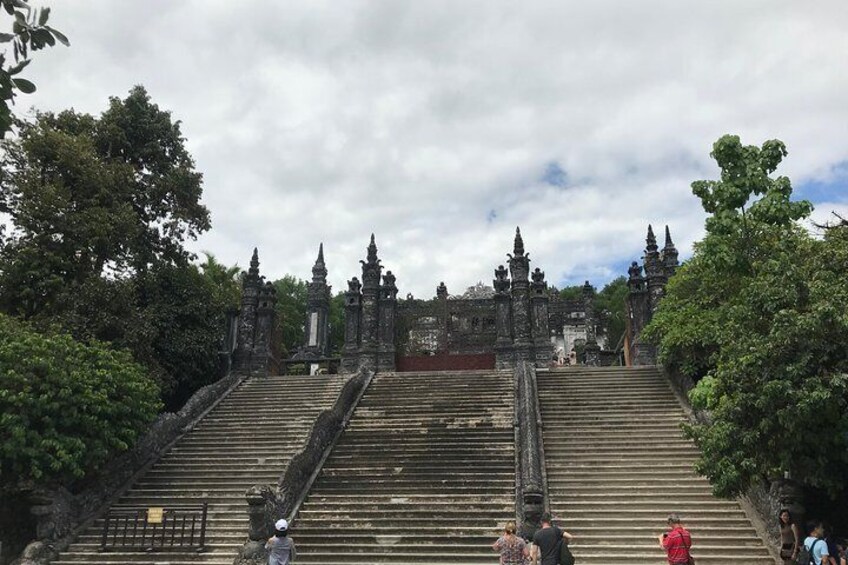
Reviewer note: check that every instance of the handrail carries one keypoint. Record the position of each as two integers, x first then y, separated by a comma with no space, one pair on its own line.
266,504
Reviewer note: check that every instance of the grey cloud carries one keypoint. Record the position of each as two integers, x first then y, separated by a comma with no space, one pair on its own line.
325,121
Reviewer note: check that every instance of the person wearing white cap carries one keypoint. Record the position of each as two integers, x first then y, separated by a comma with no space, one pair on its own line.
280,547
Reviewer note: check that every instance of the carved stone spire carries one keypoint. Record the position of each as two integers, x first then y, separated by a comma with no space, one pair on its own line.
669,255
319,270
254,264
653,265
372,251
650,240
518,251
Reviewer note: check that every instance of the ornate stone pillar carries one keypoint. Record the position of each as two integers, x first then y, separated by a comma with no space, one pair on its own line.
388,312
444,322
540,322
503,319
370,317
638,311
353,311
519,269
592,351
654,270
247,316
263,356
316,338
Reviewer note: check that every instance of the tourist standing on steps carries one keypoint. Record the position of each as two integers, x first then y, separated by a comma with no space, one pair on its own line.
676,541
815,544
790,537
280,547
512,548
547,542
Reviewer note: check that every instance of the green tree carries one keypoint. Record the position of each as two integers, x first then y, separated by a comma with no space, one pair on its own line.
337,329
226,280
574,292
66,408
91,197
292,293
101,208
609,304
758,316
30,32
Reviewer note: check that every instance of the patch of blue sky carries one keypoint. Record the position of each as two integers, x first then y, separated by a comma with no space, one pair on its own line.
491,216
555,175
834,189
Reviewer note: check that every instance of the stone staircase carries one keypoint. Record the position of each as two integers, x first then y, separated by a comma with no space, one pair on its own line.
246,440
424,473
617,465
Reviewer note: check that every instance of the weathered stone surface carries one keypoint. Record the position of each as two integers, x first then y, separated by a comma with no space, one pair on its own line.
266,504
645,294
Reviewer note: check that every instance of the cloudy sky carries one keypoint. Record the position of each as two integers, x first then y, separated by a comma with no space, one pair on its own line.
442,125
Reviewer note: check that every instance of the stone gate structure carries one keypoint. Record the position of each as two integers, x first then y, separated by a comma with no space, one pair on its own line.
494,328
645,293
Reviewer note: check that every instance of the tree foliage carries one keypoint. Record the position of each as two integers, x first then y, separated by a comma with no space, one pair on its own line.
758,316
292,293
29,33
609,305
66,408
101,208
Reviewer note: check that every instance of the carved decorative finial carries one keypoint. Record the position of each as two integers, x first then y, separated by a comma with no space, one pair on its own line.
254,263
442,290
635,271
354,286
372,250
651,239
519,243
668,242
501,282
587,289
319,270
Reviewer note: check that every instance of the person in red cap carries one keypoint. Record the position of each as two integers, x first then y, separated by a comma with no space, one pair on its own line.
676,542
280,547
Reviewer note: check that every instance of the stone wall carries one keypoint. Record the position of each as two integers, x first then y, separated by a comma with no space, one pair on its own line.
61,514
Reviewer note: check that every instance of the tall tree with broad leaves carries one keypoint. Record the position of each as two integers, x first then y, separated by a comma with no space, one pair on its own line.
758,316
90,197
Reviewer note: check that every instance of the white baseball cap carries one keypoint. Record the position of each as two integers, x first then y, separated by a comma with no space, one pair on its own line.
281,525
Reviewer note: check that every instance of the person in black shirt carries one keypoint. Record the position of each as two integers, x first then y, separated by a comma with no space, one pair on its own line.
547,541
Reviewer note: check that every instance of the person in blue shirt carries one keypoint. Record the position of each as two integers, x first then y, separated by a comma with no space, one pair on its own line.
815,544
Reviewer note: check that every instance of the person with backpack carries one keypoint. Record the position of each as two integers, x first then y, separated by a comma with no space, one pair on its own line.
548,542
676,542
814,551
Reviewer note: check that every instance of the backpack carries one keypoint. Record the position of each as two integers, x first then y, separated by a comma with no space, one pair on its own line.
565,556
805,556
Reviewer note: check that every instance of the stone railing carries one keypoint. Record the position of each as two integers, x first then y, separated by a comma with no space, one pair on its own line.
530,479
62,515
267,504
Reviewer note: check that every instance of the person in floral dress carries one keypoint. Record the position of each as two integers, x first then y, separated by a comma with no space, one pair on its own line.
513,550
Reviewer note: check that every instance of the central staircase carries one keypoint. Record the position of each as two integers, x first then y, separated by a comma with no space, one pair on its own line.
424,473
246,440
618,465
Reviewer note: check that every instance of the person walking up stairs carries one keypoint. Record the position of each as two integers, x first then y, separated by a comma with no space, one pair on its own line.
618,466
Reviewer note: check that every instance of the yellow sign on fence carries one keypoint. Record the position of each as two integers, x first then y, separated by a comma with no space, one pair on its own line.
154,515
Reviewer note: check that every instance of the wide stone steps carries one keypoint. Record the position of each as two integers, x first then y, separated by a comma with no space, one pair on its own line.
618,464
247,439
424,473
